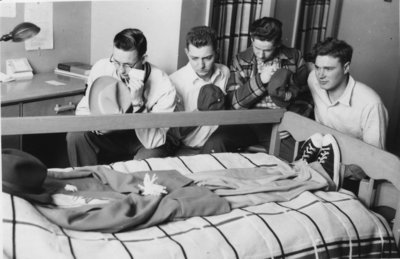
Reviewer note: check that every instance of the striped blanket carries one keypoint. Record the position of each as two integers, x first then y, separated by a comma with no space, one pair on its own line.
314,225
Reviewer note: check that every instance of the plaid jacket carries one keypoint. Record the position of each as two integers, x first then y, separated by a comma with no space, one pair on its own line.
245,89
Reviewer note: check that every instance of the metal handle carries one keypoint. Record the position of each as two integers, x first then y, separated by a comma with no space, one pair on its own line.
63,108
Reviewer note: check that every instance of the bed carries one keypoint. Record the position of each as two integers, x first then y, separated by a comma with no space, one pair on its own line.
316,224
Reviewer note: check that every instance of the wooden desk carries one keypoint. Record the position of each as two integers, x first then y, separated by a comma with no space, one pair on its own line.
36,97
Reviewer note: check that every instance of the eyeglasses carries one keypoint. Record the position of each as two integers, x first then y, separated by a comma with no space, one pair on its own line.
126,66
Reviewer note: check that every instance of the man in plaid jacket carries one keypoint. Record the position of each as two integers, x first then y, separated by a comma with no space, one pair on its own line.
252,70
266,75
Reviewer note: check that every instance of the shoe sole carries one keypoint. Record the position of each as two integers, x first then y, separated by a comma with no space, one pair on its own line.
337,179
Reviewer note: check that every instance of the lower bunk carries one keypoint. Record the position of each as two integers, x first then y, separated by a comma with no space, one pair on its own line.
296,216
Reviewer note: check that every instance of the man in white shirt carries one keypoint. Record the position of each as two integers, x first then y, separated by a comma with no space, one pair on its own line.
152,93
341,102
201,70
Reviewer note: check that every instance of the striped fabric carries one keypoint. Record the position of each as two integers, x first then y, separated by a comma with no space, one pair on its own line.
231,19
314,22
320,224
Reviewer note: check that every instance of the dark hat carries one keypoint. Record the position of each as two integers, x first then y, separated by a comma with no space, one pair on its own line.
211,98
278,85
108,95
23,176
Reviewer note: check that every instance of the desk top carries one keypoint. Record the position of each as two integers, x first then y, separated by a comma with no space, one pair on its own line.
37,88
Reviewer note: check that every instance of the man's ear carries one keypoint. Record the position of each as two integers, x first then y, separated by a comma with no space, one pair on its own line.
347,67
144,59
187,52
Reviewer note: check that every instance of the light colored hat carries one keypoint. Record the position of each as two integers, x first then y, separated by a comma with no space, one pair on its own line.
108,95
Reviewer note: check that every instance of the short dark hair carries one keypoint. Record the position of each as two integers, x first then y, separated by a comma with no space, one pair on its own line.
335,48
267,29
131,39
201,36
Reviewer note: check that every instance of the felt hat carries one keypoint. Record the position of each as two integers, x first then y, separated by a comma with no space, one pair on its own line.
23,176
108,95
211,98
278,85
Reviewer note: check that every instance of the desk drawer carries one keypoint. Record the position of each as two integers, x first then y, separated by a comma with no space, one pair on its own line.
52,107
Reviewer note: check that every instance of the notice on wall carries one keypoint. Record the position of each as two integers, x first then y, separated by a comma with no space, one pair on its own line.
8,9
41,14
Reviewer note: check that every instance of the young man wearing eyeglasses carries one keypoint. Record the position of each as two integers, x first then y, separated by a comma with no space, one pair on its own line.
150,91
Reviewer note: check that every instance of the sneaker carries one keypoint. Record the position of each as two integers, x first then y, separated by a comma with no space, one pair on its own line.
309,150
329,158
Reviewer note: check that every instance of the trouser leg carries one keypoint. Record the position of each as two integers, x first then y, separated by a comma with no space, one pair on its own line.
88,148
81,151
168,149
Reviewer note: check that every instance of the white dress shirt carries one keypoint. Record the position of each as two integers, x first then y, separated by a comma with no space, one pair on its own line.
159,95
188,85
359,112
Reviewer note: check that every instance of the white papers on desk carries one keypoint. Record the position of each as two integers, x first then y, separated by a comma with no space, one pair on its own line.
54,82
41,14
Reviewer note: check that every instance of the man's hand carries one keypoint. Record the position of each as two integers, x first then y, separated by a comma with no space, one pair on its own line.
136,88
266,73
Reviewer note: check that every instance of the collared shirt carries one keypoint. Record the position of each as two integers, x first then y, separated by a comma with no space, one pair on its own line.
188,85
159,96
359,112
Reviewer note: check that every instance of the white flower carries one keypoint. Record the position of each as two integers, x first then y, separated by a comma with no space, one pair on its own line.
149,186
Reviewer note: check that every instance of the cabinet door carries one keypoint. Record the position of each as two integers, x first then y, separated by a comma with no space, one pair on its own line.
10,141
52,107
51,149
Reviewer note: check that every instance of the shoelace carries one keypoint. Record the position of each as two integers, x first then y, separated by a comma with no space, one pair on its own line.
324,153
308,151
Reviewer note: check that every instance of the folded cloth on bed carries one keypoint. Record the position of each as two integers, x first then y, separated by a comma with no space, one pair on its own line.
252,186
112,201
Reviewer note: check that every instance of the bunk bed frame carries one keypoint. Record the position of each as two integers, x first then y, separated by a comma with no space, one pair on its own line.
383,168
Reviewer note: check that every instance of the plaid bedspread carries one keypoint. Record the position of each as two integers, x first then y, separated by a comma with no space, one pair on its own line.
313,225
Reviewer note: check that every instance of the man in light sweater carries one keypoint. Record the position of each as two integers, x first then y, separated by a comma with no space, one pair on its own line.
153,92
341,102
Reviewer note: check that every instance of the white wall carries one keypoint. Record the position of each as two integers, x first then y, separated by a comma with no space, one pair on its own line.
193,13
158,19
372,28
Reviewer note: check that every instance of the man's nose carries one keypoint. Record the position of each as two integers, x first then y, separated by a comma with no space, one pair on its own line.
122,70
320,73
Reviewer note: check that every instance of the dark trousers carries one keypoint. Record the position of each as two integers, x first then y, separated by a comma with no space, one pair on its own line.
88,148
234,138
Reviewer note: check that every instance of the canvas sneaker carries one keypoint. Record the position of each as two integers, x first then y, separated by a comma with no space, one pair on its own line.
309,150
329,158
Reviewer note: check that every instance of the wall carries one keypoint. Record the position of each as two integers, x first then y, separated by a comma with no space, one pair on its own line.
71,37
84,30
372,28
194,13
286,11
158,19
